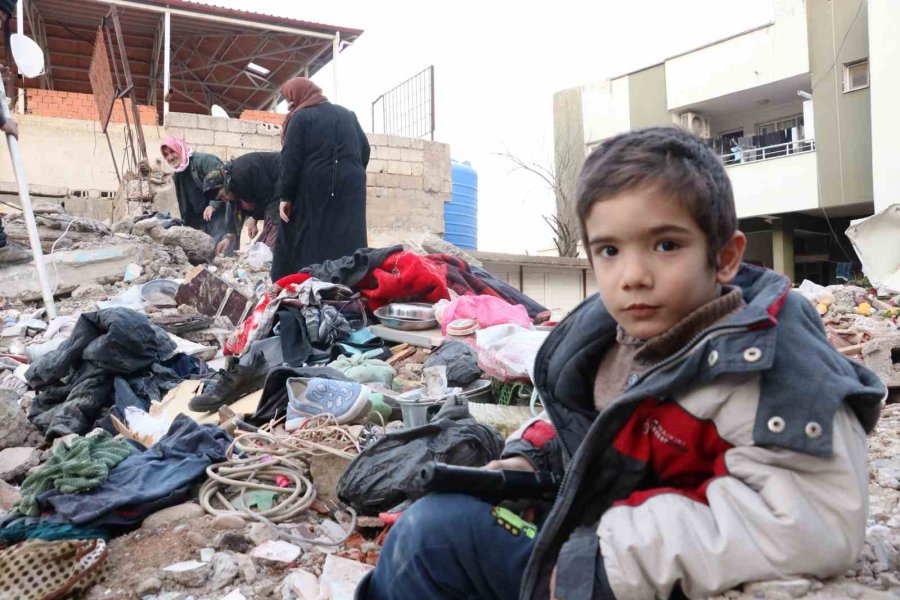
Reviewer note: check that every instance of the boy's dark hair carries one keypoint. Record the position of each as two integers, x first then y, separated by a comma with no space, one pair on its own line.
669,159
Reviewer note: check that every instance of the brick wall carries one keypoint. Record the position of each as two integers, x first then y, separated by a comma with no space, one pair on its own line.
409,180
69,105
262,116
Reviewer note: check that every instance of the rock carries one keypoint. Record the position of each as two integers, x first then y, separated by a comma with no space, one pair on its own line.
195,539
191,573
9,495
66,439
332,530
300,585
781,589
260,533
15,429
326,470
248,569
234,595
225,569
885,557
878,356
887,472
265,589
15,462
276,552
228,522
173,514
151,585
340,577
89,290
235,542
206,554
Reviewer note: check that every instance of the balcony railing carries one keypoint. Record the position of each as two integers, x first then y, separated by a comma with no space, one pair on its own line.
740,155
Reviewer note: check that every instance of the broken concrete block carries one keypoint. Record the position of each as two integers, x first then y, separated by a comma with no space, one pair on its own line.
276,552
213,297
15,429
882,355
9,495
780,588
71,268
300,585
234,594
326,471
15,462
225,569
191,573
341,576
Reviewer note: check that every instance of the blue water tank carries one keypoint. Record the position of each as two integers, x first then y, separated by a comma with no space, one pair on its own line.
461,213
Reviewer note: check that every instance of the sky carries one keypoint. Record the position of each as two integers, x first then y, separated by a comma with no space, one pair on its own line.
497,65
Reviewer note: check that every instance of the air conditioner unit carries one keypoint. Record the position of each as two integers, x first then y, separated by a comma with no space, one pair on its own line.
696,124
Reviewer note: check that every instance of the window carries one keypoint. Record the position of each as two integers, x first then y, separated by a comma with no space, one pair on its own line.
780,125
856,76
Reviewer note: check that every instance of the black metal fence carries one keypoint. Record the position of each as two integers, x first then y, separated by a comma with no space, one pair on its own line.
408,109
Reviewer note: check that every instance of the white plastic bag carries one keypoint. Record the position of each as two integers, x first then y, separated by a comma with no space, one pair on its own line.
258,254
507,352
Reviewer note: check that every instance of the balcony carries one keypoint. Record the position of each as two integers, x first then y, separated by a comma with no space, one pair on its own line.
741,154
774,179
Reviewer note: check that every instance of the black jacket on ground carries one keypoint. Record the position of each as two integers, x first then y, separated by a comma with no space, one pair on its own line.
254,178
323,175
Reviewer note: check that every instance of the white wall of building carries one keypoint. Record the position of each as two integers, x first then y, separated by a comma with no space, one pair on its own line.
766,55
605,109
884,66
777,185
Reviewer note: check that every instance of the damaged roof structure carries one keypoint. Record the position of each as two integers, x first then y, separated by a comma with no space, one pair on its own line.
198,55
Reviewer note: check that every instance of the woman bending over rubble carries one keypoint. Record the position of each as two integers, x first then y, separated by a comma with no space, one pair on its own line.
211,217
323,181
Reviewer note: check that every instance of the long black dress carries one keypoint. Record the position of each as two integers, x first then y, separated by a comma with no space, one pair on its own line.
254,177
323,174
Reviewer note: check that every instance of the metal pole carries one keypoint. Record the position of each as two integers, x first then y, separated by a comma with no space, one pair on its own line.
167,65
20,28
335,50
30,223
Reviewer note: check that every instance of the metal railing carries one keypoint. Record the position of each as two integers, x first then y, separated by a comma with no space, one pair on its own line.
744,155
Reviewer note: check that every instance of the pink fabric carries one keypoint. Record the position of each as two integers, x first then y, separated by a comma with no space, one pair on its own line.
487,310
180,148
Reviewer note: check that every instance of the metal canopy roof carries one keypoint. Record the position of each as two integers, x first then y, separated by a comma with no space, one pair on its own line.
211,48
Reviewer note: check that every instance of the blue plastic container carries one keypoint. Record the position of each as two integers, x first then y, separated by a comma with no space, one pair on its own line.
461,213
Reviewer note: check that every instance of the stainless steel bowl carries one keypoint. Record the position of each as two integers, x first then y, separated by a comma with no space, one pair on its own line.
479,390
411,310
404,324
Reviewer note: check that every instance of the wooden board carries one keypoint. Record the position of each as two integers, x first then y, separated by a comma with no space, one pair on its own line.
176,403
430,338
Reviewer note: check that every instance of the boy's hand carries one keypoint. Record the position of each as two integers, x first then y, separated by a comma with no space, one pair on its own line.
11,127
514,463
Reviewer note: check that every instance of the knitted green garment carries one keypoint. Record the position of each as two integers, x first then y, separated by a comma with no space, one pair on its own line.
79,467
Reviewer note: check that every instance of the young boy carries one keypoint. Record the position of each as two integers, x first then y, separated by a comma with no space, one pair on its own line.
710,436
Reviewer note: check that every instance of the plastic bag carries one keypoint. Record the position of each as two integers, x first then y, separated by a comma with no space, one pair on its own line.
507,352
258,254
487,310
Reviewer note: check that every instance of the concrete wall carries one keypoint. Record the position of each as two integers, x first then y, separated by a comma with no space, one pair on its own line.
409,180
884,66
776,185
72,154
605,109
647,98
569,149
843,121
756,58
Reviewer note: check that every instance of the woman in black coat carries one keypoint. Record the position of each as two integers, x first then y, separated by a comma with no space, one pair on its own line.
323,181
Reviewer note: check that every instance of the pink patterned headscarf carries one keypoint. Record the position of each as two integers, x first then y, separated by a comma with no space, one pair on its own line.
178,146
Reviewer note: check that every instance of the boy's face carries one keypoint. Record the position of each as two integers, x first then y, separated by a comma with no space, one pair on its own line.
650,260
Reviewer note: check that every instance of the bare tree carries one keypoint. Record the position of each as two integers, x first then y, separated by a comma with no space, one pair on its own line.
558,179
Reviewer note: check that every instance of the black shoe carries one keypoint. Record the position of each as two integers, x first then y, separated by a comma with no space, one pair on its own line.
231,384
12,254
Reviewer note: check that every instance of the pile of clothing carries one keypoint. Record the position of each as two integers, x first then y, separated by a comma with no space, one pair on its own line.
114,358
379,277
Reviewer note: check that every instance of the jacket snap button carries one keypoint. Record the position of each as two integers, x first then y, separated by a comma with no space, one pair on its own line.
813,429
752,354
776,424
713,358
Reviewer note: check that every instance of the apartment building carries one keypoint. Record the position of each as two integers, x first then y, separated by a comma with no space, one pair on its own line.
801,109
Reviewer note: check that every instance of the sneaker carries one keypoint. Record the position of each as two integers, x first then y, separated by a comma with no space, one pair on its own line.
12,254
348,401
231,384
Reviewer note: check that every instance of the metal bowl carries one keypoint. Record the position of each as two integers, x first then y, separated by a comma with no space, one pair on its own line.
479,390
410,310
404,324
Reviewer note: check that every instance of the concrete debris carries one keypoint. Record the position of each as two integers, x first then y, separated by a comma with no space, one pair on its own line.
882,355
16,462
234,595
227,522
276,552
197,245
787,588
9,495
300,585
15,429
173,514
225,569
232,541
341,576
191,573
149,586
